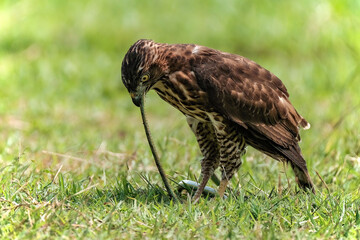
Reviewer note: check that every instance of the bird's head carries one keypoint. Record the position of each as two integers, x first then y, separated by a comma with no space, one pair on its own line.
141,68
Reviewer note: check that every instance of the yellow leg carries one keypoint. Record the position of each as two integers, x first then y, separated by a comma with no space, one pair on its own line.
205,179
222,187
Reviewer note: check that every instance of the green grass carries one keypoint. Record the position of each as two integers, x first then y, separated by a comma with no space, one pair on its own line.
74,160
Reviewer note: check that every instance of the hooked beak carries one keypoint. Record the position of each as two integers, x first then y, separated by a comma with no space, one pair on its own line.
136,98
138,94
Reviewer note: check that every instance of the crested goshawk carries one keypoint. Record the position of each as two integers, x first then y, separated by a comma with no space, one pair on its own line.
229,102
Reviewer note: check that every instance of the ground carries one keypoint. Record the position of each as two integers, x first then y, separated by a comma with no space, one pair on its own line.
74,160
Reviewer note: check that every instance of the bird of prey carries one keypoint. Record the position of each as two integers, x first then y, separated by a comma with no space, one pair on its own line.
229,102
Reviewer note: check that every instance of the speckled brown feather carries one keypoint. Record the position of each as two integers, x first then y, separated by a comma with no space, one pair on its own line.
245,92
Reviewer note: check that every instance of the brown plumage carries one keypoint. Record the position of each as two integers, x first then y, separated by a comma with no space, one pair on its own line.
229,102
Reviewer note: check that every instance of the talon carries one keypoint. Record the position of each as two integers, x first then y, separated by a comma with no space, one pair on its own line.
201,189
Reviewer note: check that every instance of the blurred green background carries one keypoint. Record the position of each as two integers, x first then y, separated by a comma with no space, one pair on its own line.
74,160
61,89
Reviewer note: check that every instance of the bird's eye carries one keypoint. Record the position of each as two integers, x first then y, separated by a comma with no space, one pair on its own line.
145,77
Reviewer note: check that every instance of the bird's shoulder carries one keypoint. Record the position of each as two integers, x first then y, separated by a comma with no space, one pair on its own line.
236,70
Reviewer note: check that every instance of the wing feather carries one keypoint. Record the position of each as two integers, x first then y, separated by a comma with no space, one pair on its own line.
248,94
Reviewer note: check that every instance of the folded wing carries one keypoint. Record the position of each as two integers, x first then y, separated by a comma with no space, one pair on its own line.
249,95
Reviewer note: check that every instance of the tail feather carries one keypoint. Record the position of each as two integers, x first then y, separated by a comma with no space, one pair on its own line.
288,152
293,155
298,164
